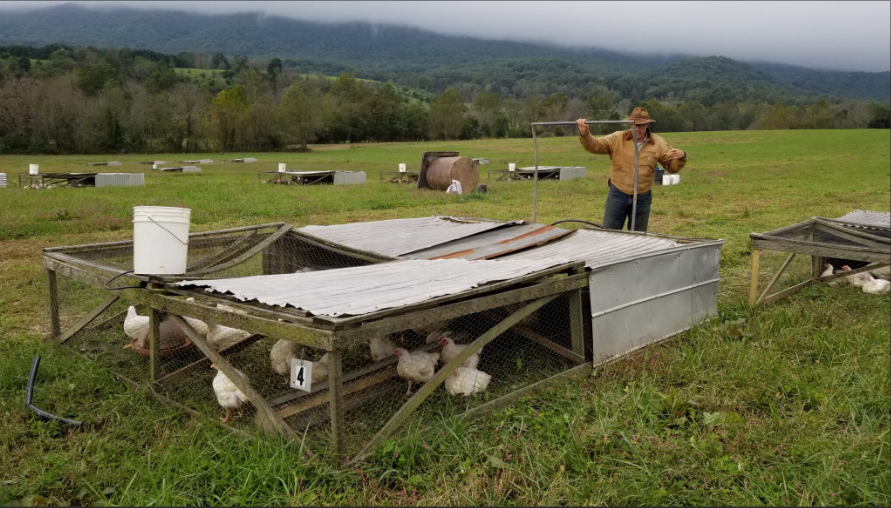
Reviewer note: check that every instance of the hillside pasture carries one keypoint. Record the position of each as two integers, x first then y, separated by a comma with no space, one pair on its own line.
782,405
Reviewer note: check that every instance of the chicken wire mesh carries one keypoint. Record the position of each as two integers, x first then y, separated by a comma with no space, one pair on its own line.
375,371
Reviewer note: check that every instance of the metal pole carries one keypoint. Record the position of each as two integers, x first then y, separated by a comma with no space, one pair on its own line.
634,198
587,122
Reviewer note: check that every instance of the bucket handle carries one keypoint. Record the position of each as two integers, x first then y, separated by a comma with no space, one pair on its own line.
165,229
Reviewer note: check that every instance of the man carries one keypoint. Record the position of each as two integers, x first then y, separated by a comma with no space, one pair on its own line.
620,148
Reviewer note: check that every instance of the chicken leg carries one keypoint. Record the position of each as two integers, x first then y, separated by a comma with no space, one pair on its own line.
408,391
228,414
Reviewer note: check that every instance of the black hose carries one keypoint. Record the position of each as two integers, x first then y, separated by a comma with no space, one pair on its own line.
29,394
121,287
578,220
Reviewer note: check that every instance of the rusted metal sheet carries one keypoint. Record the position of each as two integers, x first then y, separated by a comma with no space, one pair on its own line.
490,244
396,237
365,289
597,248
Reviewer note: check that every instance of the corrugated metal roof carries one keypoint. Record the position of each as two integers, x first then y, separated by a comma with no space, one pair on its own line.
596,248
396,237
364,289
867,218
492,243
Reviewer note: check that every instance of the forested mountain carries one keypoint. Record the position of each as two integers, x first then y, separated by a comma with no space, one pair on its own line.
432,62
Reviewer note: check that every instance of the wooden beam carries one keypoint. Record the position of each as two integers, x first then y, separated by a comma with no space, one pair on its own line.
84,321
819,249
335,402
323,396
776,277
256,249
264,412
577,323
205,362
52,302
753,284
418,319
421,395
786,292
154,343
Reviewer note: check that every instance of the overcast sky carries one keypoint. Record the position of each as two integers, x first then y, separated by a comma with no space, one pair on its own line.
854,36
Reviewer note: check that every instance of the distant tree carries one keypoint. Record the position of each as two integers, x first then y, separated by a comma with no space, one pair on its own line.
274,69
161,79
881,117
446,120
92,78
301,113
219,61
227,111
239,64
24,63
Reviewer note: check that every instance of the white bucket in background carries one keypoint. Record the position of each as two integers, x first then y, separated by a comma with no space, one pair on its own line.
160,240
154,166
675,179
402,168
512,166
281,167
33,169
666,179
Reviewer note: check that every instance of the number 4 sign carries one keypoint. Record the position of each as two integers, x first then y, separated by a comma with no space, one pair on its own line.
301,374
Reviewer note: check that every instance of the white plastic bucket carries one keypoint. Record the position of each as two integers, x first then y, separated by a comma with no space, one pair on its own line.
512,166
160,240
33,169
281,167
675,179
402,168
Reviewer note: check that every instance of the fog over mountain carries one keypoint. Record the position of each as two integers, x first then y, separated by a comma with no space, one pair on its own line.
849,36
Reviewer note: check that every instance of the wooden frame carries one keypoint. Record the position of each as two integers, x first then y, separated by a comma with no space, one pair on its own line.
342,390
864,244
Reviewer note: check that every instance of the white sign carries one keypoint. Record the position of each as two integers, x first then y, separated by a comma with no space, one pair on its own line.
33,169
301,374
281,167
512,166
402,168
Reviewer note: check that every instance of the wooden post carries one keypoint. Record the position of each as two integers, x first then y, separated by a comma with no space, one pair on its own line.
264,411
52,303
576,322
84,321
154,343
406,410
775,278
753,287
335,402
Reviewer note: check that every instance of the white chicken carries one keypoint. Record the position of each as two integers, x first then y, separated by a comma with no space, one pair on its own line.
135,326
221,337
450,350
381,347
197,324
284,350
858,279
877,287
827,272
228,395
882,273
417,367
280,356
320,369
467,381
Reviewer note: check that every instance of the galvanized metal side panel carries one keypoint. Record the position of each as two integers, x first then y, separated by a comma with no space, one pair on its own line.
571,173
637,302
119,179
349,177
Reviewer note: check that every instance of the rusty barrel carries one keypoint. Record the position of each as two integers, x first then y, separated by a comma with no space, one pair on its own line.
443,170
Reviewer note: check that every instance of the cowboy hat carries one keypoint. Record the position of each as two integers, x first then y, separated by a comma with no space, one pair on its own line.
640,116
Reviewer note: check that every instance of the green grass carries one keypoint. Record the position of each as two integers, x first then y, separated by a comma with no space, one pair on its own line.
790,408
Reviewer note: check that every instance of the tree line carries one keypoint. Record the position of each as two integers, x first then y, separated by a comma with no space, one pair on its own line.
60,99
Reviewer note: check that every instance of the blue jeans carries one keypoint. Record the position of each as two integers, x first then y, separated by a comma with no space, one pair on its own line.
618,210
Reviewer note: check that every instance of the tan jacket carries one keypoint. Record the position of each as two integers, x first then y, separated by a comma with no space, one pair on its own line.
620,148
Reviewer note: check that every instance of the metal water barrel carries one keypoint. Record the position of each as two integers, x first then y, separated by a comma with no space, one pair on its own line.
443,170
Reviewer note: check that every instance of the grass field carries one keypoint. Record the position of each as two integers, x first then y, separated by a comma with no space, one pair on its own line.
789,408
